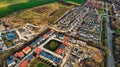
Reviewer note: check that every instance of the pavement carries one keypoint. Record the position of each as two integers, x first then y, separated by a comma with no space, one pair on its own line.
20,36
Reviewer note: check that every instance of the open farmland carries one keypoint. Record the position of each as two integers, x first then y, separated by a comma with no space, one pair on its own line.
10,6
4,3
6,10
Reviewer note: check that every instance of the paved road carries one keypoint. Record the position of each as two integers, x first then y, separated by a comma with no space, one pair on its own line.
109,37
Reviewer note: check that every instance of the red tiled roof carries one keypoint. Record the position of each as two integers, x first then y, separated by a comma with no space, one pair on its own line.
24,64
37,49
19,54
59,51
65,43
26,48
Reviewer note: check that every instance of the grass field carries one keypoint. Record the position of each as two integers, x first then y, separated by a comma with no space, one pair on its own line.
20,6
75,1
52,45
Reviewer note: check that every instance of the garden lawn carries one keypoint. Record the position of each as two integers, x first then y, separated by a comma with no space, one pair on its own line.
52,45
41,65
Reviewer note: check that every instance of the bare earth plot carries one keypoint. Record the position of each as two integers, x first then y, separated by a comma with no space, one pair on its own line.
45,15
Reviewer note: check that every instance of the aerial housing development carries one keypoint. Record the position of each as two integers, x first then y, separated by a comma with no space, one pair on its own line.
59,33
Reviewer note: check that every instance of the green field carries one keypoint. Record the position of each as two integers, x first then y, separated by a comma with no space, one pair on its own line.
52,45
41,65
20,6
76,1
4,3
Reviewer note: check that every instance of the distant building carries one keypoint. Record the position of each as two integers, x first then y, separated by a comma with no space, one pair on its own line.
10,63
11,36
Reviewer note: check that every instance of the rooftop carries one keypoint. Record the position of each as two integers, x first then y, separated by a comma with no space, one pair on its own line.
24,64
19,54
37,49
26,49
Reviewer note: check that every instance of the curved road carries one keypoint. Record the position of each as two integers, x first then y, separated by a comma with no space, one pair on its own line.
109,38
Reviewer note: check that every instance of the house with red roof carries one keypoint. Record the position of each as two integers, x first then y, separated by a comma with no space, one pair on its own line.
19,54
27,49
37,50
45,36
24,64
59,51
65,43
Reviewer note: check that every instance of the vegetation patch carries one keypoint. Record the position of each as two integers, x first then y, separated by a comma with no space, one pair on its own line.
52,45
40,62
100,11
76,1
41,65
